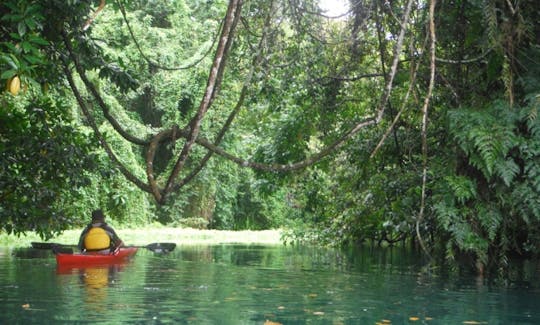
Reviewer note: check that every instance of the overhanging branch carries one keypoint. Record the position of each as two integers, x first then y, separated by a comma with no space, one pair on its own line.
231,20
90,86
130,176
255,63
191,133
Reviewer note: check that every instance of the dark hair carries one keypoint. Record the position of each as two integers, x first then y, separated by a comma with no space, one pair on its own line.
97,215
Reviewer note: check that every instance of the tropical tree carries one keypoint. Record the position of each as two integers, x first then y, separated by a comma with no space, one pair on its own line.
401,120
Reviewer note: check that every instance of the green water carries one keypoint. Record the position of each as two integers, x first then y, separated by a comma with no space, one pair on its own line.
233,284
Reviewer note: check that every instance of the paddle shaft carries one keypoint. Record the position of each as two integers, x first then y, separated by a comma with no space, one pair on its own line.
158,247
154,247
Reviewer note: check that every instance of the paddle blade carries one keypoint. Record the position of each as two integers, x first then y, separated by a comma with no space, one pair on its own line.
161,247
61,250
43,245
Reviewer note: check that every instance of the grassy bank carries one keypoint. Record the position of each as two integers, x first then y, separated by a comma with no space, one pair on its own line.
180,236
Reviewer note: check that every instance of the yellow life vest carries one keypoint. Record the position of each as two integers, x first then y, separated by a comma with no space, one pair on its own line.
96,239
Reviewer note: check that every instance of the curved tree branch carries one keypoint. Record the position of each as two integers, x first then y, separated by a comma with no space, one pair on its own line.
231,20
150,154
130,176
478,58
98,97
336,144
393,69
94,15
191,134
404,102
382,60
255,63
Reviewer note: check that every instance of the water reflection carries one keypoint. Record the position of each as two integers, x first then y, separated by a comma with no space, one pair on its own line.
96,281
243,284
31,253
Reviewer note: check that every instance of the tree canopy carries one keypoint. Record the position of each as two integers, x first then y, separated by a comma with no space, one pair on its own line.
400,120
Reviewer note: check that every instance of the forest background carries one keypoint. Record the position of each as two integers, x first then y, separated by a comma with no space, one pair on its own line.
399,121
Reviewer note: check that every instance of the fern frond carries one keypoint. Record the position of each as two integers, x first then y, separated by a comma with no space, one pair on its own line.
469,240
526,202
446,215
488,147
507,171
463,188
532,171
490,15
533,122
490,220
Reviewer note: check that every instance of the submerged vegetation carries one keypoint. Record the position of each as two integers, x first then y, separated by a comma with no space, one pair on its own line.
401,121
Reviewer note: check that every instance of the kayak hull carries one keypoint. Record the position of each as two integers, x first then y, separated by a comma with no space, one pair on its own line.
81,259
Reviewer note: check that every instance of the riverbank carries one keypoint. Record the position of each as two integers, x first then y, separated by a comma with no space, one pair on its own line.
143,236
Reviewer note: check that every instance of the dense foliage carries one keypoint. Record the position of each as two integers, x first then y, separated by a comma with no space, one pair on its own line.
482,184
43,156
399,121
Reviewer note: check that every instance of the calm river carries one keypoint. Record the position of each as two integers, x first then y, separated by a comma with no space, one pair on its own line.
239,284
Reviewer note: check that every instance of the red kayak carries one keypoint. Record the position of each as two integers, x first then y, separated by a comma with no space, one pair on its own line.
95,258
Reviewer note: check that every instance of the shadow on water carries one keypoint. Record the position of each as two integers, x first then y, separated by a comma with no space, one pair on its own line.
29,253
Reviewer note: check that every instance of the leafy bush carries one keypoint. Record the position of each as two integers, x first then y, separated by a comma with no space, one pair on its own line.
489,207
43,155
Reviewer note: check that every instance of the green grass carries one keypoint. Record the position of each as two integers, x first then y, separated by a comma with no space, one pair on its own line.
144,236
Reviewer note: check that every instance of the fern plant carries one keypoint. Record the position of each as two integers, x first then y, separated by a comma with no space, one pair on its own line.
490,205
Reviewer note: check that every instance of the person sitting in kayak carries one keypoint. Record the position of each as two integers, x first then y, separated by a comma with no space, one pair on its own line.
98,236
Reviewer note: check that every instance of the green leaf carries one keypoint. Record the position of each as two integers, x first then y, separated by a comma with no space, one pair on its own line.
21,28
31,23
508,170
33,59
6,17
8,74
462,187
27,47
490,219
38,40
15,36
11,60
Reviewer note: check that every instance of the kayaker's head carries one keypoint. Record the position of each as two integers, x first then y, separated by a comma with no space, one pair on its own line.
98,216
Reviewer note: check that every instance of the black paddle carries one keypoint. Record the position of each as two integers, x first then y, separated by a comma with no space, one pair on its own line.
61,250
154,247
49,245
158,247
